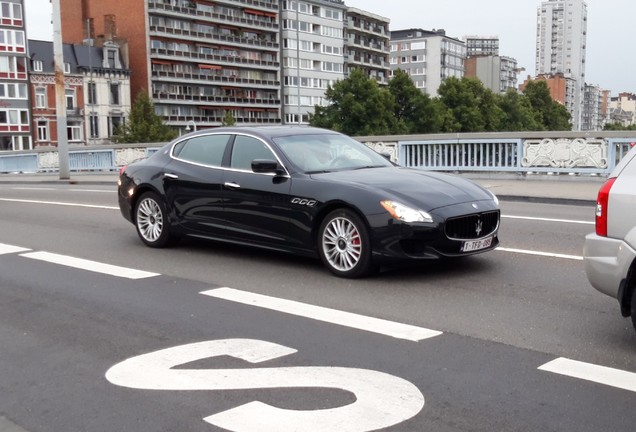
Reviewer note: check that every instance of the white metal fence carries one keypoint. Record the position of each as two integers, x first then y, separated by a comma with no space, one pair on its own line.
565,152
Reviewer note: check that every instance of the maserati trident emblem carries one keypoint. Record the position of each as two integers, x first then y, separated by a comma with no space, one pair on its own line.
479,227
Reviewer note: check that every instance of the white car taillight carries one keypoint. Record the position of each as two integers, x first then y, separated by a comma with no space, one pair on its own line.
601,207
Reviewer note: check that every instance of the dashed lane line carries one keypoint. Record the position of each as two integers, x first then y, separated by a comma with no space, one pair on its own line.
8,249
542,254
570,221
594,373
333,316
93,266
59,203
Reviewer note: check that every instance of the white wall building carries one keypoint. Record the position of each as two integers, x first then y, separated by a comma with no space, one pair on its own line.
561,45
313,54
429,57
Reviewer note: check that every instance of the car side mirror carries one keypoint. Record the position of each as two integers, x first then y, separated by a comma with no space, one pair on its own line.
266,166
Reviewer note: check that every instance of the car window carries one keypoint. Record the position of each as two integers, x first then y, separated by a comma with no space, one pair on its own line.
206,149
246,149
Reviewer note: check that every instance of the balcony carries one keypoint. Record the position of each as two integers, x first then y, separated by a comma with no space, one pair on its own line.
231,61
238,102
187,12
196,36
173,77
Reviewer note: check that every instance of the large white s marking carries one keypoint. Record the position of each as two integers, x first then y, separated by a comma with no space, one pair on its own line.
382,400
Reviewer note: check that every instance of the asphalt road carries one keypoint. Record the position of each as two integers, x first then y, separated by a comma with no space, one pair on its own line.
479,330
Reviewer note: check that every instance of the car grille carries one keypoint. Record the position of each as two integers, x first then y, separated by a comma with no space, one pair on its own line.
472,226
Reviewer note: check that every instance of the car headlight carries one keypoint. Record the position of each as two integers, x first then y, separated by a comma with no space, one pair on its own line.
494,197
404,213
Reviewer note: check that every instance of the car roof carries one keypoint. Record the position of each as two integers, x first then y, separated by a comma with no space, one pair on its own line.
268,131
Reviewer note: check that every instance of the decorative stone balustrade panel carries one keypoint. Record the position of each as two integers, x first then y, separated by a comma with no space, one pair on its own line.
389,148
565,153
128,155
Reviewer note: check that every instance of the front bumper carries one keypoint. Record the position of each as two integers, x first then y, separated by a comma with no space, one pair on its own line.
607,262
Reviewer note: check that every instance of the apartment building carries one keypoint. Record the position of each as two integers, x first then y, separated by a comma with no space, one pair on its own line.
481,45
561,46
15,129
367,44
622,109
312,54
96,92
197,59
592,115
497,73
429,57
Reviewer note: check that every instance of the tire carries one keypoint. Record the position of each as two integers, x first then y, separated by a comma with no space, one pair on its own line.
344,245
151,221
633,308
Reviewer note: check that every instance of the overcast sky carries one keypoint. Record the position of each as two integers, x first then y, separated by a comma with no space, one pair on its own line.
611,59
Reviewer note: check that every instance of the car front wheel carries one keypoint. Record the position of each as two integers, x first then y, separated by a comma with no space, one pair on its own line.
344,245
152,222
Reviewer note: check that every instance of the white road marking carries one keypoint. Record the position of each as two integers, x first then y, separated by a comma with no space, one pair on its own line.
347,319
543,254
381,400
8,249
92,266
60,203
594,373
570,221
8,426
64,189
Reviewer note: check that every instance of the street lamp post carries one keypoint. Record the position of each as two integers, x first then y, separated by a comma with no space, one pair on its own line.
193,128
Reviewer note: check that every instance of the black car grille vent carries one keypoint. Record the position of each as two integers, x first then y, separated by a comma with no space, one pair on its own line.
473,226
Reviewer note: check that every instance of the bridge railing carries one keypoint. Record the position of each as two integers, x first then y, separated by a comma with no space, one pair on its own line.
536,152
519,152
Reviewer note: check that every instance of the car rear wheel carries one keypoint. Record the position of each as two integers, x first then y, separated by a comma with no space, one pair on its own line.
152,222
633,308
344,245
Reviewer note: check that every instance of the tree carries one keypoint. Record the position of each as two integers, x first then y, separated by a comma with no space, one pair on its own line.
550,114
414,111
228,120
470,106
144,125
357,106
518,114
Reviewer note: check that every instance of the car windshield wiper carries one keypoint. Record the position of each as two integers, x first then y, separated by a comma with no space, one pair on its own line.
318,172
370,166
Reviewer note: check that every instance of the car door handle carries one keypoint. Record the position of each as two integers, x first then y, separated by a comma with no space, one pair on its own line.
171,176
232,185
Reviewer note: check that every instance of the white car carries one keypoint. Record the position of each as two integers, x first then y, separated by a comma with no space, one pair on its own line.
610,253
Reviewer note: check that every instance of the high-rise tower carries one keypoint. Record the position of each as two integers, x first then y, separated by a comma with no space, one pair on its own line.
561,40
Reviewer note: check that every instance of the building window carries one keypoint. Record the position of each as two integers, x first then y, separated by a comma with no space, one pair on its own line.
111,59
114,122
92,93
94,126
40,97
114,94
43,131
70,99
74,132
67,68
38,66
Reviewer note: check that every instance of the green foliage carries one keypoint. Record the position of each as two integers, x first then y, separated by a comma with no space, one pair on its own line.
470,106
518,113
551,115
228,119
414,111
619,127
144,125
359,106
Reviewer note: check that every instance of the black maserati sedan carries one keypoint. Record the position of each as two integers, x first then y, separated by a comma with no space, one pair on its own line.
306,191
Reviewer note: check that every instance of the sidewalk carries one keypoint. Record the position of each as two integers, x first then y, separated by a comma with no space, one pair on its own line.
557,189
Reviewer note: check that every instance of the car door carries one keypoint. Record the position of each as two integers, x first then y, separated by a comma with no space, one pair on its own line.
256,205
193,181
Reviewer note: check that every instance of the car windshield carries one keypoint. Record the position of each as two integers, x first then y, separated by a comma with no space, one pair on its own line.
329,152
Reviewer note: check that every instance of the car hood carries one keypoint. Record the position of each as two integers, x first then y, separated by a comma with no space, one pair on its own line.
426,190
